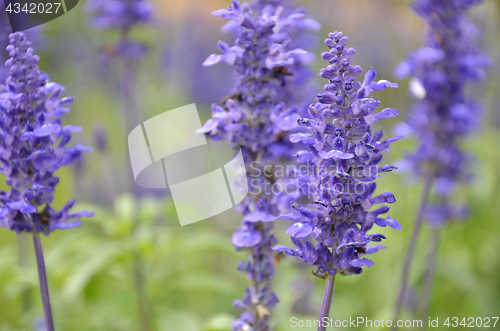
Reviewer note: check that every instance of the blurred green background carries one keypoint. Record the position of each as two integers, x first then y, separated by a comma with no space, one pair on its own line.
133,256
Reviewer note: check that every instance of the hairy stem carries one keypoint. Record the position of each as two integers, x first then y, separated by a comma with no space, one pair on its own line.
429,275
327,301
411,249
42,278
132,119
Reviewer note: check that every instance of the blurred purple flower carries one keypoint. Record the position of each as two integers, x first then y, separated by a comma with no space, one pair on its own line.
33,145
444,114
100,138
440,119
119,14
122,15
268,72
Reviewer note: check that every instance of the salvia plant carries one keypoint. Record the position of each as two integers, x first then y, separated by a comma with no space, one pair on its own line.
255,118
338,174
33,147
443,115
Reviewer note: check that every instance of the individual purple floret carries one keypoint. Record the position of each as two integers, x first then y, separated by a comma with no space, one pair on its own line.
256,119
443,115
339,172
33,145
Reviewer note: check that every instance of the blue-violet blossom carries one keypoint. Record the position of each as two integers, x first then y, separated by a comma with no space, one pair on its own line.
256,119
444,114
122,15
33,145
339,170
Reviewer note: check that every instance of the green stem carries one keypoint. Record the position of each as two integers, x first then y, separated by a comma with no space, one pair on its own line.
411,249
327,301
42,278
429,275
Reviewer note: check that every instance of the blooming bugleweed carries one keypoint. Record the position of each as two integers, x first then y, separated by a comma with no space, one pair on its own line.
33,145
256,119
339,170
444,114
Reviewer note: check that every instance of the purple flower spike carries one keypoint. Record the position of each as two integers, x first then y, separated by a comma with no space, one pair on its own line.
340,169
32,149
444,113
264,108
33,145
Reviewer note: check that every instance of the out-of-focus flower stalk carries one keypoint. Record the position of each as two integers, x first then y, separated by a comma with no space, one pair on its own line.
124,16
441,118
430,267
417,227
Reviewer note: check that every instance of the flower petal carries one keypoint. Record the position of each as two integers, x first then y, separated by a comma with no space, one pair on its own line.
246,238
46,130
22,206
335,154
362,262
300,229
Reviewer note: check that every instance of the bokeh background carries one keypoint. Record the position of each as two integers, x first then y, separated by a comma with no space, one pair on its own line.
133,257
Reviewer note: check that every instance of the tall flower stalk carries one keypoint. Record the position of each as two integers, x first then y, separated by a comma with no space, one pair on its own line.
338,174
32,148
124,16
22,242
255,118
441,118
